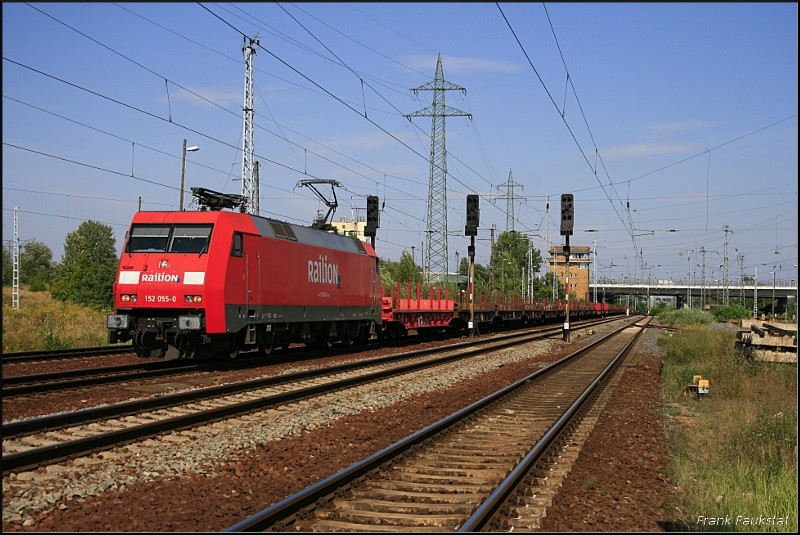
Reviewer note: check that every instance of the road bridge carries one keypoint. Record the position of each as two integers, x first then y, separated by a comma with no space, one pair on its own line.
612,288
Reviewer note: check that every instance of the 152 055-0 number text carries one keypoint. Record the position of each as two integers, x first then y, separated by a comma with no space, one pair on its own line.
160,299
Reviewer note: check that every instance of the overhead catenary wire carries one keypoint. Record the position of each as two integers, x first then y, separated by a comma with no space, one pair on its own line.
305,137
594,171
381,128
192,92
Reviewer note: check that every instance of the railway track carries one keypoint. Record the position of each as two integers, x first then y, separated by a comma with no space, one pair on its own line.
21,385
60,354
30,443
490,466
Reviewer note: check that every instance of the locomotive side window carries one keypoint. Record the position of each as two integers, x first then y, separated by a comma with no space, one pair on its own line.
190,238
148,238
236,250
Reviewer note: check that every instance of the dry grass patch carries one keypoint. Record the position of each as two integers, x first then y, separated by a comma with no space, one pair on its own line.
44,323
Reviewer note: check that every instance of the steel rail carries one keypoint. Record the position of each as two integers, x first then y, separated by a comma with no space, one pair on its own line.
481,518
55,354
19,385
84,416
274,517
35,456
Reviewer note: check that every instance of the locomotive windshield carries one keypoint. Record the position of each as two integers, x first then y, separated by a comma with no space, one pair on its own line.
166,238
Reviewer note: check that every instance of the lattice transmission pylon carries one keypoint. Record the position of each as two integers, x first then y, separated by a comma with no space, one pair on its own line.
436,244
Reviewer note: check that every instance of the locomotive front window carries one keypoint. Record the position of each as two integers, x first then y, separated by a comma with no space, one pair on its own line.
190,238
148,238
167,238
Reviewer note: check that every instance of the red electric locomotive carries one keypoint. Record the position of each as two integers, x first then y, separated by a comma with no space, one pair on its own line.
208,283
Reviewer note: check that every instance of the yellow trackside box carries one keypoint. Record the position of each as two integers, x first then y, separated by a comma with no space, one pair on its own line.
702,386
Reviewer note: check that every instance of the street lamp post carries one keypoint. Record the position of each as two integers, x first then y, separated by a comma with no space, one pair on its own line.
183,168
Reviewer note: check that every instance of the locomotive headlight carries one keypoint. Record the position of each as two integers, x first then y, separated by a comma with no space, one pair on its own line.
189,323
117,321
193,299
125,298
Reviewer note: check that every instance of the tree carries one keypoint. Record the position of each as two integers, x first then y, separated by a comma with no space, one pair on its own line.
36,266
510,256
7,268
481,281
88,267
543,287
403,271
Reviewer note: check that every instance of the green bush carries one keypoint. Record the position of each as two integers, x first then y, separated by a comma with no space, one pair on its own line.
685,317
730,312
657,311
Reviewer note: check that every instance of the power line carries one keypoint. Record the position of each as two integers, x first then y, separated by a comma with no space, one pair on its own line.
287,81
157,117
176,84
91,166
575,92
146,113
349,107
285,37
110,134
81,196
594,171
357,42
68,217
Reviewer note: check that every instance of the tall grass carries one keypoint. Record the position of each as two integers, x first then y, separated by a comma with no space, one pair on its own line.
44,323
684,316
735,450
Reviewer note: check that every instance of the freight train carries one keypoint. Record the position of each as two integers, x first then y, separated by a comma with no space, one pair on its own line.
209,283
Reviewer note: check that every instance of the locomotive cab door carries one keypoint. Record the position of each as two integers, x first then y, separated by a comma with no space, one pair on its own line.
252,278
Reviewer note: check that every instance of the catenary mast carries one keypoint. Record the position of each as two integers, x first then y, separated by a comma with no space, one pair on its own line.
249,173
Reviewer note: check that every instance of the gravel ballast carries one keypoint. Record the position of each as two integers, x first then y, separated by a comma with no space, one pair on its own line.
213,476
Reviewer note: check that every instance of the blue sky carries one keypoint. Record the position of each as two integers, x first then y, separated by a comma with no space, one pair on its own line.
657,84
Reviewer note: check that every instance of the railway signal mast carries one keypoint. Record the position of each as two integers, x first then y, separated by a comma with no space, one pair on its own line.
567,225
471,230
374,220
249,171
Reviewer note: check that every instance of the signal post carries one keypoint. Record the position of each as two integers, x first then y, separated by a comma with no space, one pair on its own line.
471,230
567,222
373,219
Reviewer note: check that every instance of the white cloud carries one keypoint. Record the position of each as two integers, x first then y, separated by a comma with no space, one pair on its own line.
678,126
647,149
456,65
